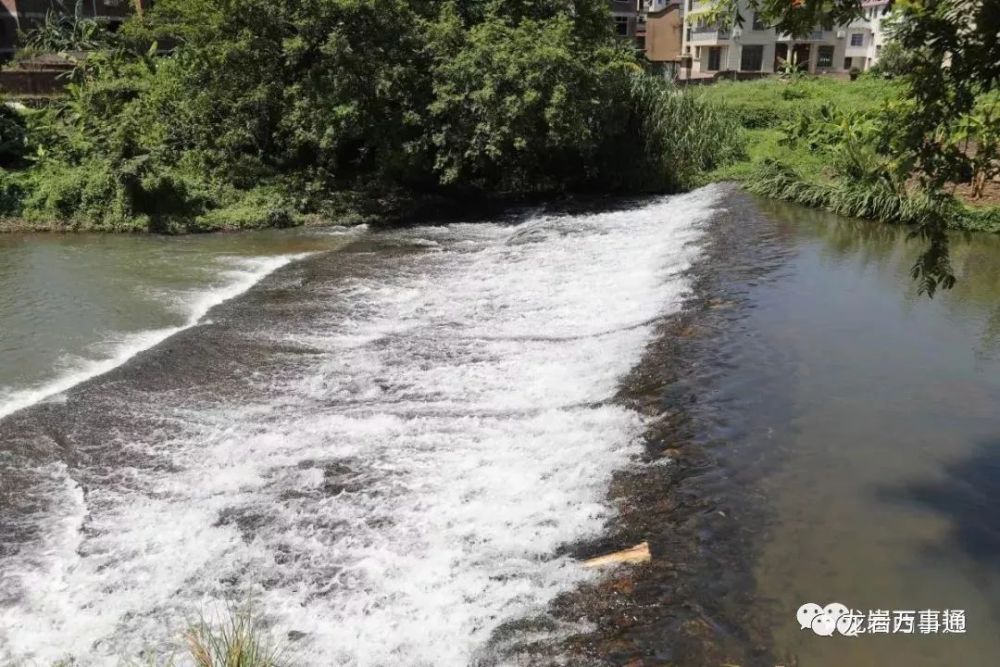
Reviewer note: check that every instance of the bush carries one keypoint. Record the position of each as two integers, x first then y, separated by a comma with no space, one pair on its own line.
13,137
13,189
251,210
895,60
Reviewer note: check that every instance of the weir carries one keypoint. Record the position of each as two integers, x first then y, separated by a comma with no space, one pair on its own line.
384,446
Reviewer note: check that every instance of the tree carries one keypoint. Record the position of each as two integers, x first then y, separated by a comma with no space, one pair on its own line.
306,104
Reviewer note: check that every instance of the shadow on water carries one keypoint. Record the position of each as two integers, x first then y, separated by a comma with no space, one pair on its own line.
968,496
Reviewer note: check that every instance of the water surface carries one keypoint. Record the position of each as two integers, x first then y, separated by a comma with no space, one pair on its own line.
73,306
387,440
878,441
384,445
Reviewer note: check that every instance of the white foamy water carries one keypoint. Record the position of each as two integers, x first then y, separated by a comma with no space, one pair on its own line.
396,496
119,348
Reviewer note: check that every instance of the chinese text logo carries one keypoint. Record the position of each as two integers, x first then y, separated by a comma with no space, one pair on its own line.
835,617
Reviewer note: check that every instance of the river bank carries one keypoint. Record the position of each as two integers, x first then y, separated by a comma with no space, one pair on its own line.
825,143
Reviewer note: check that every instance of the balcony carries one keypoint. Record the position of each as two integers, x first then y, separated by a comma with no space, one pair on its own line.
708,34
814,36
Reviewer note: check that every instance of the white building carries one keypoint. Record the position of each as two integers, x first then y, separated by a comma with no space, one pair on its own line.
866,36
756,47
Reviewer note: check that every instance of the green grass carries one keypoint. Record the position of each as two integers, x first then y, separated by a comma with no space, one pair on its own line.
765,103
794,173
762,106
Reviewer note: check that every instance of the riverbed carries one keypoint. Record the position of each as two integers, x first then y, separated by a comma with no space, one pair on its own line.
399,444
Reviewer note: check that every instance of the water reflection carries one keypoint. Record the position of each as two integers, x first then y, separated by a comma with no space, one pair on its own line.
888,250
883,465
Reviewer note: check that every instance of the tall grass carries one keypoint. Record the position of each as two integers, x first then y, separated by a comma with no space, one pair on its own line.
872,201
682,137
767,103
238,640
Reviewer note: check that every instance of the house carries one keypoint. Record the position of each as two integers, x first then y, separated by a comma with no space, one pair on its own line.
660,33
23,15
625,14
757,47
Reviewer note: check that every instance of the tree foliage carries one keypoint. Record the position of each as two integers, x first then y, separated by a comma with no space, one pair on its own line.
205,105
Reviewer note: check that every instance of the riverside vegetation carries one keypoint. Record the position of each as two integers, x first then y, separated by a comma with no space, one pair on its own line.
205,115
845,146
830,143
895,152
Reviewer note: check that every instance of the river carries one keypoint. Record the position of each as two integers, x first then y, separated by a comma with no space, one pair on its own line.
388,440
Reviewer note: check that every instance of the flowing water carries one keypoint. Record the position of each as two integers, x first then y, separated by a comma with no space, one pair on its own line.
385,445
387,439
73,307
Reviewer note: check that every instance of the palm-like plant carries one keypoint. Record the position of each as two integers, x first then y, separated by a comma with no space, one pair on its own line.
64,31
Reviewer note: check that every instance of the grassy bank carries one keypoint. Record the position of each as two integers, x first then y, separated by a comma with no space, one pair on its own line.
763,106
797,150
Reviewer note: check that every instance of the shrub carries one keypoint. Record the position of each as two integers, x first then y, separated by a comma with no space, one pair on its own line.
250,210
13,188
895,60
13,137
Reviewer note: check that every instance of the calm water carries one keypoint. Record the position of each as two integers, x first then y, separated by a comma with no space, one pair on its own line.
878,440
385,438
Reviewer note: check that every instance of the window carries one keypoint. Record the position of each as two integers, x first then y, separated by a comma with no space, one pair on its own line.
857,39
621,25
758,23
689,33
847,63
690,5
824,57
714,58
752,58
